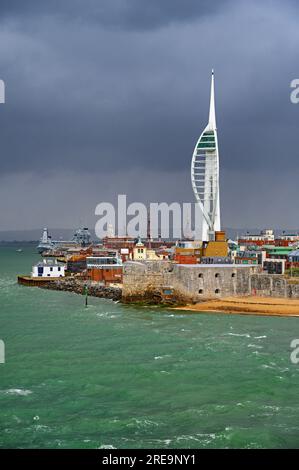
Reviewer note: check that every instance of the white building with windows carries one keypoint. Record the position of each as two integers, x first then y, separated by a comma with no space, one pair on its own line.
49,267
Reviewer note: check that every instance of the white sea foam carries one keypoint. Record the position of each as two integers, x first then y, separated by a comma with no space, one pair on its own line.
260,337
16,391
106,315
162,357
41,427
106,446
199,437
164,441
271,407
245,335
145,423
254,346
188,438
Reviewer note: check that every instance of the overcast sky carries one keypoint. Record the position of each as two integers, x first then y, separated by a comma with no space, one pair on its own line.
107,97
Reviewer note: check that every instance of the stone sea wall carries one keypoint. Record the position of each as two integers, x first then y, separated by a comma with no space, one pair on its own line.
77,286
163,282
147,281
274,285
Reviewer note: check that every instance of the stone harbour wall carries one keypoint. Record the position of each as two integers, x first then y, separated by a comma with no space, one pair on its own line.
77,285
201,282
274,285
165,282
146,281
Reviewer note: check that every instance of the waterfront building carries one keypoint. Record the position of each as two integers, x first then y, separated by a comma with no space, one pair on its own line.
106,269
293,257
188,251
287,239
48,268
247,257
216,260
274,266
142,252
265,237
217,247
205,174
139,251
278,252
193,252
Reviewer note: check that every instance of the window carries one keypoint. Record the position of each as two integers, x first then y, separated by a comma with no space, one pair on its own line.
51,269
217,291
58,268
200,291
217,275
200,275
233,274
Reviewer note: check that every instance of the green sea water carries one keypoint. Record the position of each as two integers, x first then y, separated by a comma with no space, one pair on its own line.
114,376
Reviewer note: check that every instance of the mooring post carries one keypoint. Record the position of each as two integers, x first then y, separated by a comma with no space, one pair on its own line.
86,295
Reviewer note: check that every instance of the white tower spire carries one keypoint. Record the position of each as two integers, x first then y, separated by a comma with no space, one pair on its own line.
212,114
205,174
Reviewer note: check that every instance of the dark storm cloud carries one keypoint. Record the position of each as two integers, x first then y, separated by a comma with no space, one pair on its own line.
113,87
127,14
